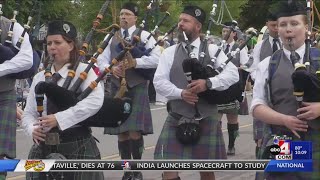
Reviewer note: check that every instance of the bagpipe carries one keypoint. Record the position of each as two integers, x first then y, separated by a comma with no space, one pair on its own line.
8,50
140,50
199,71
188,131
114,111
306,77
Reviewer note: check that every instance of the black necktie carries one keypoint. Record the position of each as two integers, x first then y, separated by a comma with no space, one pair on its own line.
56,77
294,57
51,108
226,51
125,33
274,45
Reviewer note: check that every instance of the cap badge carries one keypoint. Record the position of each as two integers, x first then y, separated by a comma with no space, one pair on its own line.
66,28
197,12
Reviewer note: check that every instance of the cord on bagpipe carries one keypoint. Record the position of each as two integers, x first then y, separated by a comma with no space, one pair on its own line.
8,50
306,77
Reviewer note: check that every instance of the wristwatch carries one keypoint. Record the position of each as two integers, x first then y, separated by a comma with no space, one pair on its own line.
208,83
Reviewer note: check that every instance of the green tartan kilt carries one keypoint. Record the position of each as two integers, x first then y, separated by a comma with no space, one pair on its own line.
140,118
81,148
210,146
311,135
230,108
8,123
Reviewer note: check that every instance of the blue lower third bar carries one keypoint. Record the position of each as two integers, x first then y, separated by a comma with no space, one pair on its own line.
8,165
289,166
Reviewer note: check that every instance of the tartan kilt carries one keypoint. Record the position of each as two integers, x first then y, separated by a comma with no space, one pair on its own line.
232,108
313,136
8,124
140,118
210,146
81,148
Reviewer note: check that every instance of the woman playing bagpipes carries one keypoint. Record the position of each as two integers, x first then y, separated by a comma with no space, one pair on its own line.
10,63
277,96
57,135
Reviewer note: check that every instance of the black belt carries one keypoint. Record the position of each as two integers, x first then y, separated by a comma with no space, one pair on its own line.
75,133
175,115
72,134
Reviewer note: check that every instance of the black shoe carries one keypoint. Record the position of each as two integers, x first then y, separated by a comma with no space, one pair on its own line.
127,176
137,176
231,151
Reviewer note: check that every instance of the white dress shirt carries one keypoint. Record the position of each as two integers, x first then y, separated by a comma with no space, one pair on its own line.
167,89
144,62
24,59
73,115
259,94
256,55
244,58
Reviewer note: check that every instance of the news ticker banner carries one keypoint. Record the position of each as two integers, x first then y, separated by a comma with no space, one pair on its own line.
47,165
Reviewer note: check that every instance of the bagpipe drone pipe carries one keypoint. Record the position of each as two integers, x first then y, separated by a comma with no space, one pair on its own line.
114,111
8,50
199,71
140,50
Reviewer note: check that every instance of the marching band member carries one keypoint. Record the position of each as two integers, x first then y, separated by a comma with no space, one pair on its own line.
238,60
20,62
58,132
262,50
130,139
273,102
171,82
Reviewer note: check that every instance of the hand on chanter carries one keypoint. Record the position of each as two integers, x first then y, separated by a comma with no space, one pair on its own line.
295,124
189,97
310,111
47,122
197,86
38,135
117,70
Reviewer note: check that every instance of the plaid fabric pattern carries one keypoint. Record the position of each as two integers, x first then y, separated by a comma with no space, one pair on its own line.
313,136
244,110
257,129
81,148
232,108
210,146
140,118
8,124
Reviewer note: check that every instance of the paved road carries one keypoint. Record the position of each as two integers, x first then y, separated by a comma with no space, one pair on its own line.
108,146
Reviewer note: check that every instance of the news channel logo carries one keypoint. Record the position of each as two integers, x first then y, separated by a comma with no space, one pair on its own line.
125,165
281,151
281,148
284,148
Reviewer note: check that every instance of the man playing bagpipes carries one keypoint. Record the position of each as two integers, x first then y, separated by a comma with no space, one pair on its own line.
239,59
283,81
262,50
200,135
10,63
57,134
130,140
